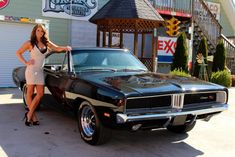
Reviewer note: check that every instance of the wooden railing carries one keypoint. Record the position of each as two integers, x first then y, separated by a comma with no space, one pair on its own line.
231,39
230,48
183,6
206,21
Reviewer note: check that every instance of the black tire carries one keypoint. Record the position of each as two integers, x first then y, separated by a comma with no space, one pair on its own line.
24,91
90,127
181,128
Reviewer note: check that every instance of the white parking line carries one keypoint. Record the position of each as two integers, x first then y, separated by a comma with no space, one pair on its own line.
2,153
8,99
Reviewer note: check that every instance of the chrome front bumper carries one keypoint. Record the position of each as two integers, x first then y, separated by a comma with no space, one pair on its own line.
123,118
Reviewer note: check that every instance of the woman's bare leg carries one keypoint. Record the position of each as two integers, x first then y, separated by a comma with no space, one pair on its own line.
29,95
35,101
29,98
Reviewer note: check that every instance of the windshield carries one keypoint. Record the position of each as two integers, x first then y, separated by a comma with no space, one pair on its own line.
102,60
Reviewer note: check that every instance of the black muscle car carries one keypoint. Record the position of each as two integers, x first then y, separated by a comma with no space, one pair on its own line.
111,89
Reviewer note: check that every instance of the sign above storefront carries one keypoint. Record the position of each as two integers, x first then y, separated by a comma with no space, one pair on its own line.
70,9
3,3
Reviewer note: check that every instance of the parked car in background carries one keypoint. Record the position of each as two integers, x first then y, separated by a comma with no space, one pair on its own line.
111,89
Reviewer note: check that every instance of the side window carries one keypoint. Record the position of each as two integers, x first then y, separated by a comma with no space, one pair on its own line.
54,60
80,60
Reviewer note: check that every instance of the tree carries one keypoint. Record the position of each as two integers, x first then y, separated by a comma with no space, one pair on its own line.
219,63
180,58
202,49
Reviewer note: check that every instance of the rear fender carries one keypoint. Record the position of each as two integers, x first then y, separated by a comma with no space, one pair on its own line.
18,76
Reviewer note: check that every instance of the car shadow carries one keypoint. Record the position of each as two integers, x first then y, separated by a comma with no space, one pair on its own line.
159,142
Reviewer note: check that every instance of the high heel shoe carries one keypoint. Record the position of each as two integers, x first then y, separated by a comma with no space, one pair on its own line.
36,122
27,123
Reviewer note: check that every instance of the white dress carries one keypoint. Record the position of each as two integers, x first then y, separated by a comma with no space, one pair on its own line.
34,73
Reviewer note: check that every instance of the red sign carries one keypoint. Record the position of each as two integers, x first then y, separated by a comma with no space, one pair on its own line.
166,46
3,3
166,49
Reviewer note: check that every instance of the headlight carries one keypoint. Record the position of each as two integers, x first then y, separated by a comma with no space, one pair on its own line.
221,97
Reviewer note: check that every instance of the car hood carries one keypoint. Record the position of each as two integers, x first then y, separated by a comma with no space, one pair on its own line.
151,83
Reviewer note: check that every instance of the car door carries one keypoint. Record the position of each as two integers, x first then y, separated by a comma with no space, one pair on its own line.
57,76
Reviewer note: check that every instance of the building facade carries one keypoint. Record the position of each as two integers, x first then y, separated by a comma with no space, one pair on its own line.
17,18
70,26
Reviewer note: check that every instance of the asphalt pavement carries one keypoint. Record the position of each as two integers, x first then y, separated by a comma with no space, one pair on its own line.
58,136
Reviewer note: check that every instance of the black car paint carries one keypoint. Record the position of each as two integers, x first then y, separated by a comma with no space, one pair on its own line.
110,87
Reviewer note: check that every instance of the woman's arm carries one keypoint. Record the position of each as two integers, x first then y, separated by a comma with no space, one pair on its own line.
57,48
19,53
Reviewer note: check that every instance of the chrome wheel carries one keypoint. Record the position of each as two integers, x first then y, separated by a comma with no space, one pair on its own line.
24,93
88,121
91,129
24,90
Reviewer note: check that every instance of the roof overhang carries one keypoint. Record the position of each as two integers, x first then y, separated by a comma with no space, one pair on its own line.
128,25
229,9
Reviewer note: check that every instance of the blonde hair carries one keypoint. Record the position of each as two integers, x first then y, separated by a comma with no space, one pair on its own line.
33,38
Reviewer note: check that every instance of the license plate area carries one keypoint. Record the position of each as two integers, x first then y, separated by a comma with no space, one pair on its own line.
179,120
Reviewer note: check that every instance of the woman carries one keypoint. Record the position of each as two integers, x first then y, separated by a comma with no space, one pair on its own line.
39,46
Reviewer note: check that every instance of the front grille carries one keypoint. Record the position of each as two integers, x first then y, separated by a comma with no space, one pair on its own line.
176,101
199,98
148,102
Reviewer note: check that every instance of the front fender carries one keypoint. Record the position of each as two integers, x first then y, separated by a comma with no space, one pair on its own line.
106,115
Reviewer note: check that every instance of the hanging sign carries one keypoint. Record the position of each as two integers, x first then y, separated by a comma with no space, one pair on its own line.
115,39
203,15
70,9
215,9
3,3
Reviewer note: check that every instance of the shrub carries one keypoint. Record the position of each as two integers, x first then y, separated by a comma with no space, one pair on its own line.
180,58
219,58
223,78
233,80
180,72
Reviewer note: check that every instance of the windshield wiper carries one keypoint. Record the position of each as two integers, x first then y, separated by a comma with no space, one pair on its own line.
126,70
97,69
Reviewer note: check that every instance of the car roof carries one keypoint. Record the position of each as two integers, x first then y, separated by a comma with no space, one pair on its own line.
98,48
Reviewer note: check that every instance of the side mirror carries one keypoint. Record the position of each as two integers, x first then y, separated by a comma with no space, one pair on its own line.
55,67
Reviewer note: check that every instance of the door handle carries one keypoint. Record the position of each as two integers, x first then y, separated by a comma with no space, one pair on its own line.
57,75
